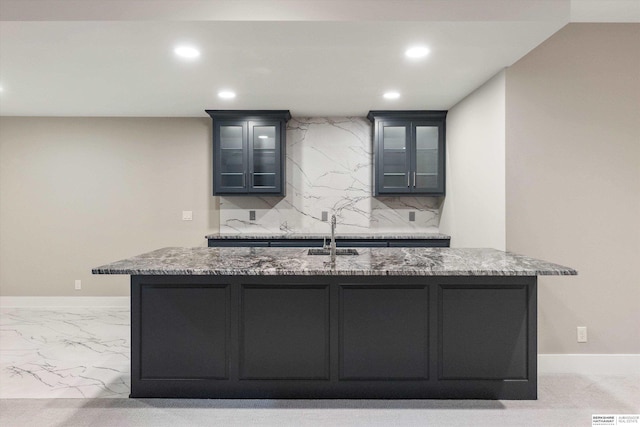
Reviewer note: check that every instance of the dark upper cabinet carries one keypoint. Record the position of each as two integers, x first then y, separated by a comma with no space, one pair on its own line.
249,151
409,152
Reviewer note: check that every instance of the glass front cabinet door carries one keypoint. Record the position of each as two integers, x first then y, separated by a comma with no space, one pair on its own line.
249,152
409,152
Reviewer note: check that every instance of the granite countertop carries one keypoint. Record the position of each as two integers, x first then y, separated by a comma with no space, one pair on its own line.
370,261
302,236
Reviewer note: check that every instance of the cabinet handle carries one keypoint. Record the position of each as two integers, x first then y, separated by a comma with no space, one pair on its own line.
244,179
408,179
414,178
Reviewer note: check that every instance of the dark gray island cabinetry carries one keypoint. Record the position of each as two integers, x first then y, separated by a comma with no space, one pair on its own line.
386,323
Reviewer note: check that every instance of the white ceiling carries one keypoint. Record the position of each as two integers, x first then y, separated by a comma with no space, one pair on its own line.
313,57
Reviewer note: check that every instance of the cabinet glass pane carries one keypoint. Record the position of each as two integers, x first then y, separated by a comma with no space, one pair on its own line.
426,156
264,180
394,180
264,137
426,181
426,137
395,162
264,162
231,137
264,169
394,138
232,161
232,180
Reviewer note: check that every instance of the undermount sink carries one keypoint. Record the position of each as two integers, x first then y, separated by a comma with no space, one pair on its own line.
322,251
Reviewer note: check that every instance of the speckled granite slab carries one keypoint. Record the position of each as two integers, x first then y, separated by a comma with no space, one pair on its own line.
369,262
307,236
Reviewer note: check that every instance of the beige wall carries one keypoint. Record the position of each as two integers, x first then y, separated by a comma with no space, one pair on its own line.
473,212
80,192
573,182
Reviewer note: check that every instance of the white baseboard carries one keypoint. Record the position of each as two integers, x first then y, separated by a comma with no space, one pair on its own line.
64,302
589,364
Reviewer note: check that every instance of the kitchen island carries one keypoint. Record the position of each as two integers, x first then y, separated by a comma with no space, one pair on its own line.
386,323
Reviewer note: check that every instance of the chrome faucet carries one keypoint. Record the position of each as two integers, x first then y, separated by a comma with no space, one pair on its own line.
332,245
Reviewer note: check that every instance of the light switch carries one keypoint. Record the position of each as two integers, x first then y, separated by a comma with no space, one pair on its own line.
412,216
325,216
187,215
582,334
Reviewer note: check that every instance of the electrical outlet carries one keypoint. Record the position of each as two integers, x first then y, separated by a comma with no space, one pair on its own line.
78,285
252,215
187,215
412,216
582,334
325,216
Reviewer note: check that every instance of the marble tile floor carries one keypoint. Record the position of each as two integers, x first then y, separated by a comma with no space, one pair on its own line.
58,365
64,352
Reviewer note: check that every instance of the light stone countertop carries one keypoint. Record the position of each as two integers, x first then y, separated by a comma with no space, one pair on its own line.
369,262
307,236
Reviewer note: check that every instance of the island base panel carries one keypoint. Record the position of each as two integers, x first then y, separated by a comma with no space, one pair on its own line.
323,337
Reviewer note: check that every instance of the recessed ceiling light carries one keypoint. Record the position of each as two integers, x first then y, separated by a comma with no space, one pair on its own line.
391,95
263,136
417,52
187,52
226,94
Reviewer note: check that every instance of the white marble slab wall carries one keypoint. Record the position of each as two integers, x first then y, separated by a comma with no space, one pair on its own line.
329,168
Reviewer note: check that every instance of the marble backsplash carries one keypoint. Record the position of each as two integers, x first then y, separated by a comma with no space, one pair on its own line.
329,168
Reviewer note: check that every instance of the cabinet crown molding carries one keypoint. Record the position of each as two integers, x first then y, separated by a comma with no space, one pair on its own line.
407,114
250,114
